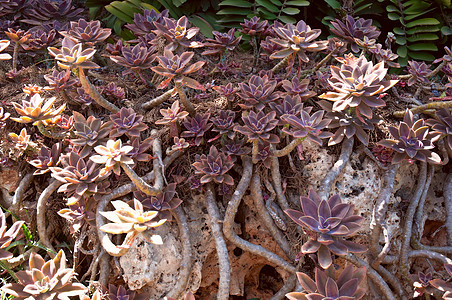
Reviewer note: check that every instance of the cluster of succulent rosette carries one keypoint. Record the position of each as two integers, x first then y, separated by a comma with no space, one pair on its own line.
93,146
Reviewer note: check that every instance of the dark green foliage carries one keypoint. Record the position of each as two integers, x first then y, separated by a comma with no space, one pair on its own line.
417,28
234,11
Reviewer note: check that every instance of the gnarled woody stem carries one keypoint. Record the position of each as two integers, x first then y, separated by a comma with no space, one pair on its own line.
289,148
381,207
346,150
187,259
41,215
53,135
231,211
448,204
408,226
183,99
141,184
220,244
158,100
93,93
256,193
421,108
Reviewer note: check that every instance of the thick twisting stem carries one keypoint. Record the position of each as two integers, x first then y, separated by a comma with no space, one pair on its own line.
255,151
281,64
408,225
15,55
220,244
419,221
421,108
325,188
158,100
93,93
229,221
19,193
448,203
288,287
381,206
277,184
158,175
183,99
256,193
187,259
41,215
289,148
53,135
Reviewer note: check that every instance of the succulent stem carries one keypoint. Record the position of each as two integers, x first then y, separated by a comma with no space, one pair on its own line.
229,217
187,261
344,157
19,193
183,99
139,182
422,108
255,151
255,51
41,215
220,244
43,130
448,204
408,226
281,64
256,193
158,100
15,55
91,90
286,150
174,129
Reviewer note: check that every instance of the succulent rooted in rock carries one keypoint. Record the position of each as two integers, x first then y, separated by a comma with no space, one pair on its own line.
357,84
258,92
213,167
162,202
89,132
80,178
112,155
258,127
327,223
412,140
126,121
326,286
